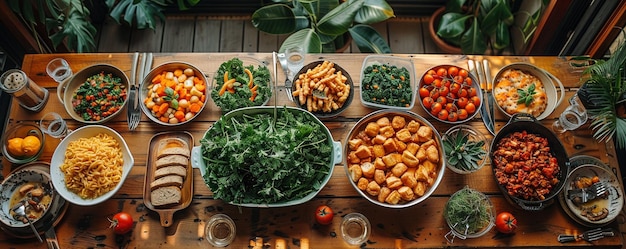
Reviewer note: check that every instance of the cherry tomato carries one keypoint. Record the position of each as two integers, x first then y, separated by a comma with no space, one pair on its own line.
453,71
462,114
431,72
428,102
121,223
462,92
462,102
454,87
444,90
424,92
458,79
437,83
428,78
436,108
475,100
463,73
450,107
443,115
470,108
472,92
453,116
434,93
324,215
506,222
442,72
442,100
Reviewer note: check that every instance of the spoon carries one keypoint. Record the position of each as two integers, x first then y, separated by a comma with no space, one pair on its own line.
19,210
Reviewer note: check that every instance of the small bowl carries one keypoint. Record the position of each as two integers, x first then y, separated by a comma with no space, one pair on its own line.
458,230
352,159
552,97
450,96
258,68
610,205
474,136
367,84
67,89
10,196
321,114
58,158
147,85
22,130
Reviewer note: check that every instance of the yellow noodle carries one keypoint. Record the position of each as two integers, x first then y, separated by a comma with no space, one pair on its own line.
93,166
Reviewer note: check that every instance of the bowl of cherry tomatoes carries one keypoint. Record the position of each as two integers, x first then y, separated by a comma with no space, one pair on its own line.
450,94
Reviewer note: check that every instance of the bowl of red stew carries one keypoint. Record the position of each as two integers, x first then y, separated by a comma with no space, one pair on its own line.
95,94
529,163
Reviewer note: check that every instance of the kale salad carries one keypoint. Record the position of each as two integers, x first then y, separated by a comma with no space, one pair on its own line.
386,84
263,158
237,85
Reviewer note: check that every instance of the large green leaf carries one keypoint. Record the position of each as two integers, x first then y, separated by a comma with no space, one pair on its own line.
305,38
137,13
340,19
275,19
182,4
77,31
473,41
374,11
502,36
368,39
452,25
455,5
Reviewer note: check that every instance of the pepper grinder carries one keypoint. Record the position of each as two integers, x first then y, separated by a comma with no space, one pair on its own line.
29,95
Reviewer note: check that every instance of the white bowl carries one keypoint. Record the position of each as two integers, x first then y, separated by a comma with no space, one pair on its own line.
247,62
58,177
400,63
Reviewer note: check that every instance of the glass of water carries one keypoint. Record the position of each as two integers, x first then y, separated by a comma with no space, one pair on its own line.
573,117
220,230
295,60
53,124
58,69
355,228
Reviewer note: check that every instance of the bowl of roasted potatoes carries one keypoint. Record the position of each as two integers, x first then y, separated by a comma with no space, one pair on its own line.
394,158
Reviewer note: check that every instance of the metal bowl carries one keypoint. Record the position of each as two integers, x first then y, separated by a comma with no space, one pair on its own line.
147,85
450,97
67,89
553,98
319,113
350,161
22,130
10,196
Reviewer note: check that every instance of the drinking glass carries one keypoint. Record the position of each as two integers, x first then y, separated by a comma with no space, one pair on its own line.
295,60
220,230
355,228
53,124
58,69
573,117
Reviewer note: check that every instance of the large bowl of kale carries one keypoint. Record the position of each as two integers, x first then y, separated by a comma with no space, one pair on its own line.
267,156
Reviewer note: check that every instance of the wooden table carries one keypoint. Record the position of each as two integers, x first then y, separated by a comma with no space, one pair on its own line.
419,226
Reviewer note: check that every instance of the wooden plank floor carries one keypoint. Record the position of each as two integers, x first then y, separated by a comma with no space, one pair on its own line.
236,34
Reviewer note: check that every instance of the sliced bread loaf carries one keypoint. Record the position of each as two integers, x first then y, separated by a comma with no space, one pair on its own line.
171,160
171,180
182,151
165,196
170,170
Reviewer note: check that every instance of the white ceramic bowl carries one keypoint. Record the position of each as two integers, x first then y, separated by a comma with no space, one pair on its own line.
264,86
58,177
385,60
554,98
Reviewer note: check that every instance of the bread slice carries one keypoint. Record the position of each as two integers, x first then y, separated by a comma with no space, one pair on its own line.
170,170
172,160
165,196
171,180
182,151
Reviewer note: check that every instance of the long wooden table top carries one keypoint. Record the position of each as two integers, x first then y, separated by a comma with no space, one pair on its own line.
420,226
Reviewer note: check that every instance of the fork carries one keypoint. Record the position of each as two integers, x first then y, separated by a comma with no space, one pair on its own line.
595,190
132,93
145,66
288,83
591,235
19,210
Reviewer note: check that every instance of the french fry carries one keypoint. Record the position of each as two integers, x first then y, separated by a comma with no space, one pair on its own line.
323,78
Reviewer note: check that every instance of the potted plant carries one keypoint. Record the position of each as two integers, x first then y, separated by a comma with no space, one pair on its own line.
474,26
604,96
321,25
69,22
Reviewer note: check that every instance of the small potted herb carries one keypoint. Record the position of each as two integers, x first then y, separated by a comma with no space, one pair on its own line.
465,149
469,214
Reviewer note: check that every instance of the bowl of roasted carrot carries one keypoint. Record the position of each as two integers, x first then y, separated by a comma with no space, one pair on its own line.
173,93
241,82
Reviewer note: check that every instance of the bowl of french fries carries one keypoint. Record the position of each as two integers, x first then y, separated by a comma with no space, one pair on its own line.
323,88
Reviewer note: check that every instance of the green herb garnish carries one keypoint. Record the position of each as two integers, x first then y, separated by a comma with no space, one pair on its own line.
468,211
463,153
262,158
526,96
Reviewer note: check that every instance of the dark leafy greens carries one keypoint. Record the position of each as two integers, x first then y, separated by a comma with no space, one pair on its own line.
100,96
261,159
387,85
241,97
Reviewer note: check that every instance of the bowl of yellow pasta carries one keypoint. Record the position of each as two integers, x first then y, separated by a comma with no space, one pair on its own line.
96,153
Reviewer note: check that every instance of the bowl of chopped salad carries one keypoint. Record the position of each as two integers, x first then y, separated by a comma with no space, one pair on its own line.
173,93
241,82
95,94
388,82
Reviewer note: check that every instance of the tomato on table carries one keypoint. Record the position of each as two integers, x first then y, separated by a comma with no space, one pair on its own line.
121,223
324,215
506,222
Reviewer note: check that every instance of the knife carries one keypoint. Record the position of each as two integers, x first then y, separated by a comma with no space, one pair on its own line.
488,101
476,68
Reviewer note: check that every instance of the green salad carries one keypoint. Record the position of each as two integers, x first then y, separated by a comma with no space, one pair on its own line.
386,84
100,96
238,85
266,158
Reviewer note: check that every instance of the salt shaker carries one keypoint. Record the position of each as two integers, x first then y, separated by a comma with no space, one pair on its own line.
29,95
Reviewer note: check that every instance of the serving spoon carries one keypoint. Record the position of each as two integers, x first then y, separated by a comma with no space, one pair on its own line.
19,210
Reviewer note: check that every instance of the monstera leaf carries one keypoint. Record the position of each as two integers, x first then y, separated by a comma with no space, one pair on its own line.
76,30
142,12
